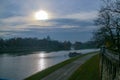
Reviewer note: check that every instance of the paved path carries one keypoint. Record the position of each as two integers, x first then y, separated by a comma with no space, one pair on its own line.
65,72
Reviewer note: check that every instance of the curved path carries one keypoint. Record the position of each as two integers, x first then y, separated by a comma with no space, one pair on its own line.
65,72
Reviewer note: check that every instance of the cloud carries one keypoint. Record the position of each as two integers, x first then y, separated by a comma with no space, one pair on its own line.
16,19
84,16
22,25
70,21
68,18
9,8
28,22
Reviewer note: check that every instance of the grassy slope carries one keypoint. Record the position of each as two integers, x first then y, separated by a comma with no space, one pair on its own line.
49,70
88,71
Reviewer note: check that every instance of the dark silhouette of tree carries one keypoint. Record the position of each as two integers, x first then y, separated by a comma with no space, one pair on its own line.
77,45
109,22
85,45
1,43
24,44
67,45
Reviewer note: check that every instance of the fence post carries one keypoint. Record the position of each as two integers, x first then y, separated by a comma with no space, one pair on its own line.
102,52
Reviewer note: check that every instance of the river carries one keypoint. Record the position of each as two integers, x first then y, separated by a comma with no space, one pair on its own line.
18,67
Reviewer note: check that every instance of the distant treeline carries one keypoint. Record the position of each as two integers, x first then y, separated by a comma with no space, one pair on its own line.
85,45
46,44
32,44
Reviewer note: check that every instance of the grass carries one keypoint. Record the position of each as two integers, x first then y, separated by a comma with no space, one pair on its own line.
88,71
49,70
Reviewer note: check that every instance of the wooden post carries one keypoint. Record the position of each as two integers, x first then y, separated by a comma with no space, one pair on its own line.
102,52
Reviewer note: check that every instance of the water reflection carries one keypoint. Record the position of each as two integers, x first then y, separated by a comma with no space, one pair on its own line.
42,54
41,62
26,65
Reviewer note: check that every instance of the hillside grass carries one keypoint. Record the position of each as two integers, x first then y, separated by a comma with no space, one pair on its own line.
88,71
49,70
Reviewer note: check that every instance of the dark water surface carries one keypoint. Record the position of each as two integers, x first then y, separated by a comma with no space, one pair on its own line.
15,67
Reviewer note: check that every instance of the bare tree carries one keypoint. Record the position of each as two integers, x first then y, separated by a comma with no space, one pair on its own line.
109,22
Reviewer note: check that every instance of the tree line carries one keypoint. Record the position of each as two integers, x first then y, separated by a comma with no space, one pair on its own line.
84,45
45,44
25,44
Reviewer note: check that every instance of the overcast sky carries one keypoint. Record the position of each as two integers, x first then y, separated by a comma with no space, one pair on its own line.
68,19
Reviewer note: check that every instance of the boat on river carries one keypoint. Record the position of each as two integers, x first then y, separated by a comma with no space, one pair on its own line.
73,54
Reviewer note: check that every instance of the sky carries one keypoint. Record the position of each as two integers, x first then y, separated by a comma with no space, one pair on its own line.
71,20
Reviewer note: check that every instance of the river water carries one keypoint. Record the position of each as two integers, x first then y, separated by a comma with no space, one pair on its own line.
18,67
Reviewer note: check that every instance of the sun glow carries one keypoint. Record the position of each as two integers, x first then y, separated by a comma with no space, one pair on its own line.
41,15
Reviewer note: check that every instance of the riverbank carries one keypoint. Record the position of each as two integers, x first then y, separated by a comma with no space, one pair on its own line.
90,69
48,71
19,50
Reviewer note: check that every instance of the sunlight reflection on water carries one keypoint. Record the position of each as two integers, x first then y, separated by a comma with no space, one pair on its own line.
25,65
41,62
